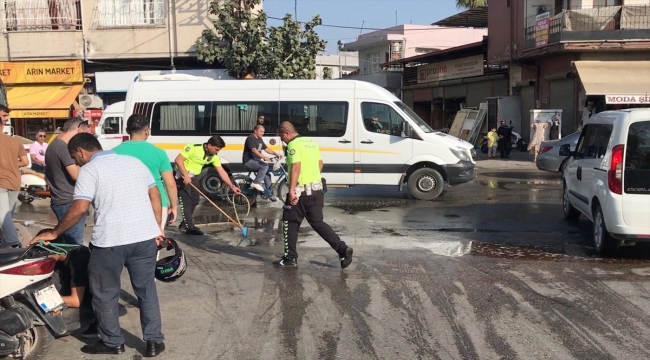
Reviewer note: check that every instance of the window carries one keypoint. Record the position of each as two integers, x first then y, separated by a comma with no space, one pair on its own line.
241,117
603,140
586,148
316,118
111,125
381,118
127,13
22,15
637,159
181,118
415,117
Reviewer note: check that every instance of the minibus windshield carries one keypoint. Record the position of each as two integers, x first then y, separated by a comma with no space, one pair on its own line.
418,120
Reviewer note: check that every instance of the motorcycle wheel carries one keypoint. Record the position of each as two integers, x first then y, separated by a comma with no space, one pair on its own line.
484,148
521,146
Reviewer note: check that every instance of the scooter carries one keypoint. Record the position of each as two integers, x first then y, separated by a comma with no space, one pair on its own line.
32,186
30,306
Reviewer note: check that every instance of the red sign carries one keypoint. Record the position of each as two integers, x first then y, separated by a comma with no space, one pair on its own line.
542,23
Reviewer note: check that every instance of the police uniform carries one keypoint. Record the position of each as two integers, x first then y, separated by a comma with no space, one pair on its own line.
196,157
310,203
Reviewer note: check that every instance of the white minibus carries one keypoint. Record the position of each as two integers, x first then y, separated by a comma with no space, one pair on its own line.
112,128
367,136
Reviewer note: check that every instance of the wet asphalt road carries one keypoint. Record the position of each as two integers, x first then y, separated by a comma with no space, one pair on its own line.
490,270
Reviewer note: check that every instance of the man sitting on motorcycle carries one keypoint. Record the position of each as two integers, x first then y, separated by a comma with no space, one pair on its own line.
71,281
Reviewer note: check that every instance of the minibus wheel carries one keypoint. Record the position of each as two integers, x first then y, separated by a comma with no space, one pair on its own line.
210,183
426,184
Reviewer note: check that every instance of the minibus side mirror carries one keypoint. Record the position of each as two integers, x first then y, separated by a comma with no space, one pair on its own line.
407,131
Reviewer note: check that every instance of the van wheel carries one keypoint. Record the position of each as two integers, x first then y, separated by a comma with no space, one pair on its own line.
570,213
604,244
426,184
210,183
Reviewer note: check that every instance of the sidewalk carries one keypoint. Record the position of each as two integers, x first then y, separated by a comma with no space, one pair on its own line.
518,161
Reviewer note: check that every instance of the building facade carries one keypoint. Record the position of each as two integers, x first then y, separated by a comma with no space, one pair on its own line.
59,45
565,54
403,41
339,65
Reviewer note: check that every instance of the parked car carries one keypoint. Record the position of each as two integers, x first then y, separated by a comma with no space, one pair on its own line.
554,154
607,178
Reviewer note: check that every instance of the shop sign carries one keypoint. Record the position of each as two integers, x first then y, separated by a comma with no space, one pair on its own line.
38,114
451,69
542,22
627,99
35,72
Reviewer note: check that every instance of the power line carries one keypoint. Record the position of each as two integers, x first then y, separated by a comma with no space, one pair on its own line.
356,27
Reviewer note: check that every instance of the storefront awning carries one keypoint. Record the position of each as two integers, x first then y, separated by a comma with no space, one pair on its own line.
622,82
42,101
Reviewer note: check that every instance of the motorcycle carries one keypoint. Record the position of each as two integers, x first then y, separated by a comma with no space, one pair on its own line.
30,306
32,186
516,140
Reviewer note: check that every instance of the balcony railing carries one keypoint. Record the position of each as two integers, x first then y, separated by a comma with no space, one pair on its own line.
129,13
31,15
597,23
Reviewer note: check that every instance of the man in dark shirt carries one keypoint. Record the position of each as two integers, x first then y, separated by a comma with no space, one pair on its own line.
254,160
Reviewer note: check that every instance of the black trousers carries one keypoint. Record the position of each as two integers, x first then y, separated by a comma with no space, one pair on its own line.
311,208
188,199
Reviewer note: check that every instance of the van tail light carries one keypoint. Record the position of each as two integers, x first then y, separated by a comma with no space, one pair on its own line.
125,138
615,173
41,267
545,149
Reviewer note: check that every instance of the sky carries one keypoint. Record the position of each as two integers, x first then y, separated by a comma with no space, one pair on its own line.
375,14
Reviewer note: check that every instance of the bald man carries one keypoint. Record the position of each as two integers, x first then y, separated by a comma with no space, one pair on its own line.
305,198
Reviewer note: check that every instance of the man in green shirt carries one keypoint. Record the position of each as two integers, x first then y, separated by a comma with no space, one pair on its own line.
154,158
190,163
305,198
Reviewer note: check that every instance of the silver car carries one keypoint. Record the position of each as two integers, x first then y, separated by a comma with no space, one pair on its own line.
553,154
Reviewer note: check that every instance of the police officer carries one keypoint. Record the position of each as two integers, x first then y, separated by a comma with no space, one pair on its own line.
305,198
190,163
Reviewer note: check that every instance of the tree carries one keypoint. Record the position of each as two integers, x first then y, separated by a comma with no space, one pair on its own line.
293,50
238,40
469,4
327,73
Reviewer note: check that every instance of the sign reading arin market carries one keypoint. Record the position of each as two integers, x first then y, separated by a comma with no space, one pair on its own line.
451,69
35,72
628,99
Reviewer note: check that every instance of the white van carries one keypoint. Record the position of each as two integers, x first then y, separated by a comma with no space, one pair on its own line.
338,115
112,128
607,178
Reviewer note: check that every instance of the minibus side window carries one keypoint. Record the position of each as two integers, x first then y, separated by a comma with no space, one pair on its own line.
181,118
381,118
316,118
241,117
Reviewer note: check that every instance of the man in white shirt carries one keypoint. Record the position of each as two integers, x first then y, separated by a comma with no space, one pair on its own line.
126,233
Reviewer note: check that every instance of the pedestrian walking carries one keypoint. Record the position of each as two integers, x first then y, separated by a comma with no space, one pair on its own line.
127,232
305,198
154,158
61,175
493,140
37,152
540,135
190,163
505,140
12,157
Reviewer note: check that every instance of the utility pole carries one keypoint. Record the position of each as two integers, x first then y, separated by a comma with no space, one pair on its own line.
295,9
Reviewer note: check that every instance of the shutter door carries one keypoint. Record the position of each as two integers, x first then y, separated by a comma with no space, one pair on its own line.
562,98
455,91
407,98
477,92
527,104
500,88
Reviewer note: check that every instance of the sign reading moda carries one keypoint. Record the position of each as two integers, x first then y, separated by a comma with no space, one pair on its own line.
451,69
628,99
39,72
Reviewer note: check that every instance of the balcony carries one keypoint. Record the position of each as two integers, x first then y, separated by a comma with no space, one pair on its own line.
41,15
588,24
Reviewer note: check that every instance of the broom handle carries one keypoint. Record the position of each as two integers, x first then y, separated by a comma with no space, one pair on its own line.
215,205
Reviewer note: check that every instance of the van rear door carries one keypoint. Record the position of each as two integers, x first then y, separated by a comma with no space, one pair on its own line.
636,175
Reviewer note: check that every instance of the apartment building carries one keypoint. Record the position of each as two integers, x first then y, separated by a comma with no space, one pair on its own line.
403,41
564,54
339,64
56,54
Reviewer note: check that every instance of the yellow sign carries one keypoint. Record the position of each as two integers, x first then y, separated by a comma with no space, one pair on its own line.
37,114
32,72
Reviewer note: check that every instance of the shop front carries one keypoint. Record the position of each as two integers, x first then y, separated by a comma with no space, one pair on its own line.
41,94
612,85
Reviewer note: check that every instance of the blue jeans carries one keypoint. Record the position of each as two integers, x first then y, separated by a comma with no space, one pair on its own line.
262,169
74,235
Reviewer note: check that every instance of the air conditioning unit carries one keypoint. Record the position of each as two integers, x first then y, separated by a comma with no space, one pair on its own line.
91,101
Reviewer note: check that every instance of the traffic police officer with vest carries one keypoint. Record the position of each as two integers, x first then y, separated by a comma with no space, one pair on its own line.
305,198
189,164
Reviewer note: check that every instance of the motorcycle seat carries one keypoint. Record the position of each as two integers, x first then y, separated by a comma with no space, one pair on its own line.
10,255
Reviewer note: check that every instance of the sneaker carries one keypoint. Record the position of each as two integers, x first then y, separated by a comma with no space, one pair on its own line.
273,198
258,187
285,262
347,259
194,231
